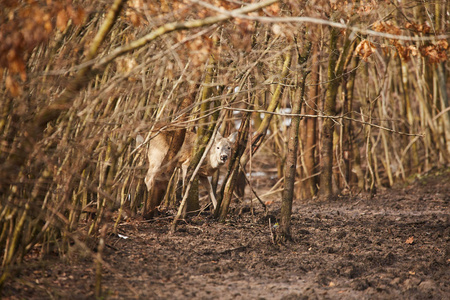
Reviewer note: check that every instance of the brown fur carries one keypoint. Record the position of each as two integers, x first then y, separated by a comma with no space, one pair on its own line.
161,166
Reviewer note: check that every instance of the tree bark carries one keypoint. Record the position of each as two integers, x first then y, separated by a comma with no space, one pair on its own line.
335,70
203,130
291,168
310,147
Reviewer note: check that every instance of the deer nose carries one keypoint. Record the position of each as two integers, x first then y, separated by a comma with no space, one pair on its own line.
224,157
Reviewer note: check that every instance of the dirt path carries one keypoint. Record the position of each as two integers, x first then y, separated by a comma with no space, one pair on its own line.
394,246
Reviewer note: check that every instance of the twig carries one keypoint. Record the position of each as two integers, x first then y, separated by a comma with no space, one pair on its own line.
251,188
64,102
197,168
236,14
323,116
175,26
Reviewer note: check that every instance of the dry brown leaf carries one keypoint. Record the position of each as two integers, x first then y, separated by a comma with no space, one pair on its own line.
76,14
61,20
273,10
435,53
413,50
365,49
410,240
442,44
423,28
13,87
387,27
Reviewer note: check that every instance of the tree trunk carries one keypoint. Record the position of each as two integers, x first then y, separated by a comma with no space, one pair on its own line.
348,137
335,70
310,147
192,200
413,158
291,168
445,118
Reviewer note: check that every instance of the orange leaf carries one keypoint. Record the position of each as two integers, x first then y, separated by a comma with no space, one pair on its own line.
12,86
443,44
410,240
61,20
365,49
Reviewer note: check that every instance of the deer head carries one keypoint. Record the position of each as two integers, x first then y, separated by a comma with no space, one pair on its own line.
221,150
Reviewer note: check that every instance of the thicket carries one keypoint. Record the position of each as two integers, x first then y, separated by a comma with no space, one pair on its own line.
359,86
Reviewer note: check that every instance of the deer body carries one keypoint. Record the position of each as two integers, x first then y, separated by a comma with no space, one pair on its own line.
216,157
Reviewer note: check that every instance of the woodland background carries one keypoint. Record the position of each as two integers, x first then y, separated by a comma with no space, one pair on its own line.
363,82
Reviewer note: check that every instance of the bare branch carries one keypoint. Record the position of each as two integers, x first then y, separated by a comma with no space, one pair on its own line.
174,26
329,117
355,29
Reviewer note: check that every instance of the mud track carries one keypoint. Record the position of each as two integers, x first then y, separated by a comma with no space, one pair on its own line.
393,246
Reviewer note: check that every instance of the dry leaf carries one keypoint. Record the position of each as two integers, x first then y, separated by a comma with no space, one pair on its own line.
410,240
365,49
442,44
413,50
435,53
387,27
61,20
423,28
273,10
12,86
76,14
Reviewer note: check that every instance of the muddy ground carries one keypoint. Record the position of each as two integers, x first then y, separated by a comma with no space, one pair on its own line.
393,246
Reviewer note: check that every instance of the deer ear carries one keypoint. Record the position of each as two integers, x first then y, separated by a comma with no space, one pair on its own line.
232,137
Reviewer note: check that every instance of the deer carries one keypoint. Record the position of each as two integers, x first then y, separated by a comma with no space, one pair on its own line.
159,147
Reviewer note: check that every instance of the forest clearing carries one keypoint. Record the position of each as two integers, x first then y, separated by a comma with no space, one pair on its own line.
224,149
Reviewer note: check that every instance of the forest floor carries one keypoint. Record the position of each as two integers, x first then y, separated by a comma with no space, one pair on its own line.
393,246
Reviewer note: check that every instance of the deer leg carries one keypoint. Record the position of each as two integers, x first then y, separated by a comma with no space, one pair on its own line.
184,168
206,181
155,186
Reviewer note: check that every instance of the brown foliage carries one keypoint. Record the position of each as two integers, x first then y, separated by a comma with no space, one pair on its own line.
420,28
387,27
435,52
365,49
24,27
